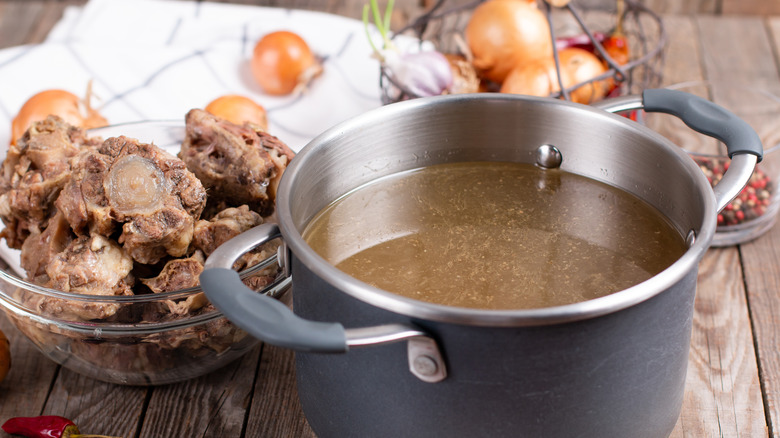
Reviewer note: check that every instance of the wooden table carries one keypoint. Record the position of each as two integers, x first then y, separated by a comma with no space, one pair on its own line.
733,383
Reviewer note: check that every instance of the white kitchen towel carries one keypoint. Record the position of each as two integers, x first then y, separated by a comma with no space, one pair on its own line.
156,59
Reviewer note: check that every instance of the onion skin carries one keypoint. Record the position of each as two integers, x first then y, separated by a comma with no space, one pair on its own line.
282,63
239,110
536,78
582,66
464,76
502,34
540,77
421,73
61,103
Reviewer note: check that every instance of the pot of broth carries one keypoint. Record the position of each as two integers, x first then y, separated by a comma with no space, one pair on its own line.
513,266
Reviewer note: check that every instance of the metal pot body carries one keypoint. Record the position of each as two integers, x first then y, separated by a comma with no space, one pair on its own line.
619,375
612,366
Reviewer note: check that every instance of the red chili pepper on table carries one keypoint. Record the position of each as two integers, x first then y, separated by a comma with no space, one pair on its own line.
45,426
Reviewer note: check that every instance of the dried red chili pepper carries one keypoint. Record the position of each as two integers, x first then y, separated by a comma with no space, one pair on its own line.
45,426
616,46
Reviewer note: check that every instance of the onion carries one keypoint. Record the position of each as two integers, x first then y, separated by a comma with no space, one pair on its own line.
66,105
421,73
464,76
502,34
540,78
536,78
239,110
283,63
583,66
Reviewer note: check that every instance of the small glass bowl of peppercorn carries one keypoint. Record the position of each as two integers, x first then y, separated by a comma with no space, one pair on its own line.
754,211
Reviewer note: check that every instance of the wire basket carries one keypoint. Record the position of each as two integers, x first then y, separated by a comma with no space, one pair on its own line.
443,25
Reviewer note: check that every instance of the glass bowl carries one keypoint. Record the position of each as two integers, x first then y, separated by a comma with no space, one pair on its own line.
143,341
754,211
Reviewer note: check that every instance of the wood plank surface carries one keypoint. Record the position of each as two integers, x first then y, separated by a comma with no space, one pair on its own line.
97,407
761,260
26,387
212,405
723,391
29,21
276,411
750,63
763,283
723,394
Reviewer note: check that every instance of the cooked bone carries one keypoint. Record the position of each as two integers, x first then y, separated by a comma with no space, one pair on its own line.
180,274
91,265
39,249
147,190
135,185
88,265
238,164
226,224
33,173
177,274
83,201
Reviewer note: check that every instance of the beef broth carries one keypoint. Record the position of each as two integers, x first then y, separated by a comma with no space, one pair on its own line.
495,235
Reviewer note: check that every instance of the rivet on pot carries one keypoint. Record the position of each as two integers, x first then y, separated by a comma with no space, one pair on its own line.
425,365
690,239
425,360
548,157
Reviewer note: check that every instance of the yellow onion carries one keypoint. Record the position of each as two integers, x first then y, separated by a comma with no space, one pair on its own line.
540,78
503,34
239,110
64,104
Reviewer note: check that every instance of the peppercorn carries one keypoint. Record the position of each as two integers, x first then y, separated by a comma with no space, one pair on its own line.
750,203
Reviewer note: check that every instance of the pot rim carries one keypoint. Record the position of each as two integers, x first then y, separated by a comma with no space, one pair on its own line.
399,304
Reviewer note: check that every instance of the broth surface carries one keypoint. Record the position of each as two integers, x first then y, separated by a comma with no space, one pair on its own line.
494,235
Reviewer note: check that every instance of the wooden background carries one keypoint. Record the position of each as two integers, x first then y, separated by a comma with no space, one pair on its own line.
37,16
733,384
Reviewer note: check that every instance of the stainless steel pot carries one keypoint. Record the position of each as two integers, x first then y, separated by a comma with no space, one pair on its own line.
613,366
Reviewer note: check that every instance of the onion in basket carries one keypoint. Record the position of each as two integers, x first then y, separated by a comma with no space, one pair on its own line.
540,78
502,34
421,73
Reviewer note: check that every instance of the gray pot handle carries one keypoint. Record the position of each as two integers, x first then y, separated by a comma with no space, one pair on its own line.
742,143
266,318
271,321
